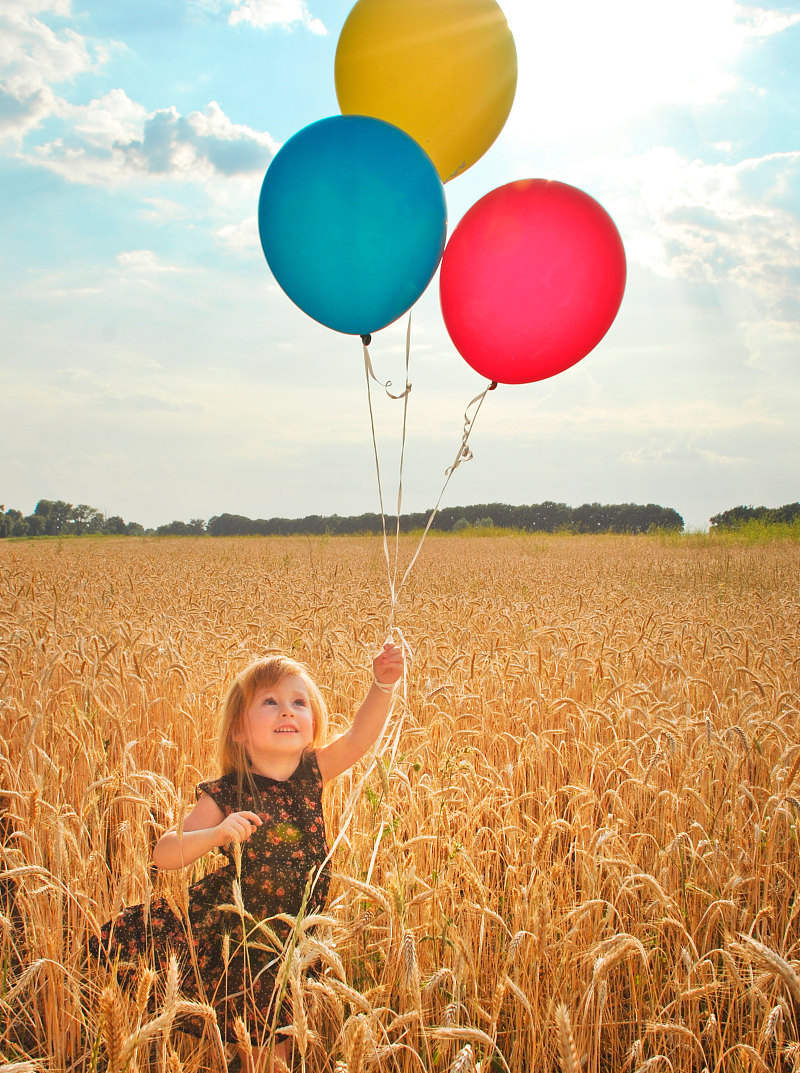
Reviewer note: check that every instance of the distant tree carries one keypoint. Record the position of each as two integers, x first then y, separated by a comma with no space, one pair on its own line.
736,517
35,524
229,525
588,518
176,528
134,529
312,523
13,524
115,526
665,518
553,516
788,514
56,514
361,523
197,525
84,519
460,525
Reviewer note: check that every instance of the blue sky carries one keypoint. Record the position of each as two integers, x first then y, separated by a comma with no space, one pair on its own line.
152,368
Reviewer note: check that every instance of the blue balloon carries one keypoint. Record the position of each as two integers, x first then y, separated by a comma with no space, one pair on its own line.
353,221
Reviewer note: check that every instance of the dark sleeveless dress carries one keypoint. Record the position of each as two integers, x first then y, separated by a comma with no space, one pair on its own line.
282,866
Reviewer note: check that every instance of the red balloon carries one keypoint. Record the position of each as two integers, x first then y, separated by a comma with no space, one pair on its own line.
531,280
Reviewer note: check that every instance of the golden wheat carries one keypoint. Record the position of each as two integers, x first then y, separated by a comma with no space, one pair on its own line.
580,851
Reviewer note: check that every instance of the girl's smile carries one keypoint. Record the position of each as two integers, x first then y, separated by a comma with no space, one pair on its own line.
279,716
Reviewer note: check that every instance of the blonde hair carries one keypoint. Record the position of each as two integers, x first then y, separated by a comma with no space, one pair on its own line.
262,674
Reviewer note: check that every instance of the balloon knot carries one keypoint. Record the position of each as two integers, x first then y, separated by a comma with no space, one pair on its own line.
366,339
492,386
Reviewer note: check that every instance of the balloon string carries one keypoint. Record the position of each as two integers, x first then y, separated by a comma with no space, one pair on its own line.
464,454
393,585
385,384
370,374
392,571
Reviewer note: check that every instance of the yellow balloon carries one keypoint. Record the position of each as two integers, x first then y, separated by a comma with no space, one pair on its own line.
444,71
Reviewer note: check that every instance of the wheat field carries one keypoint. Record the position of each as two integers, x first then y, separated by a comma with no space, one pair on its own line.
577,849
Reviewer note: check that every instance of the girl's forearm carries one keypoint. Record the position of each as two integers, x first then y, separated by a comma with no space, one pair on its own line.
177,851
370,719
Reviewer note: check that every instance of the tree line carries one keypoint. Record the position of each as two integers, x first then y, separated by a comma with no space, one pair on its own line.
548,517
59,518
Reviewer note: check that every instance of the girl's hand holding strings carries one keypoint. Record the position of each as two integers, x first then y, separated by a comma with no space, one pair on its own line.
237,827
387,667
368,722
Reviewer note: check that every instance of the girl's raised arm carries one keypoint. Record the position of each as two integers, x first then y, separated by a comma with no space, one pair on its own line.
369,720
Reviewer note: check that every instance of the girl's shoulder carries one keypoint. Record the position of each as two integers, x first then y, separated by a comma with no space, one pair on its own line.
308,767
221,789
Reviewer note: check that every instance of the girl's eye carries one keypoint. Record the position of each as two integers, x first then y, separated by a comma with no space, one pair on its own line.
301,701
270,700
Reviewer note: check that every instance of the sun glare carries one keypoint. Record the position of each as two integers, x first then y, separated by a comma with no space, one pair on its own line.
586,67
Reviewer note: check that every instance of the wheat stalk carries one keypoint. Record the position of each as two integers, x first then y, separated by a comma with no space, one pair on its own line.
569,1053
774,964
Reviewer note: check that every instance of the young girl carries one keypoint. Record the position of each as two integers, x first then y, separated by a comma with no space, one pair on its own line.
267,801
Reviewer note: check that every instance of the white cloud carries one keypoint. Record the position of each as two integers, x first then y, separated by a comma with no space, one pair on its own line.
275,13
676,452
587,67
62,8
21,111
160,209
33,58
177,145
715,223
774,346
693,417
242,237
102,289
113,140
32,54
144,262
763,22
105,120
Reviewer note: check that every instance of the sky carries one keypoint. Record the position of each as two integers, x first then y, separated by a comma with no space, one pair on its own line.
151,367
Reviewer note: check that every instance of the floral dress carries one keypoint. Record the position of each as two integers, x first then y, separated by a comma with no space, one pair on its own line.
283,870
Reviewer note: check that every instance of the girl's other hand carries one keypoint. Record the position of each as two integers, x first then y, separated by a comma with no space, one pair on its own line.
237,827
388,664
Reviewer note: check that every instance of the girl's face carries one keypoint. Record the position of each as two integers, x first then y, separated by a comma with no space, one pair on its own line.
278,720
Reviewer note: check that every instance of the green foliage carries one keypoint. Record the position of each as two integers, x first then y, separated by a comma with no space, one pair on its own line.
55,517
547,517
196,527
738,517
